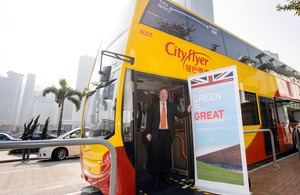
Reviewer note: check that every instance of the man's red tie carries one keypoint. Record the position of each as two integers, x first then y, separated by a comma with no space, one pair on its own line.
163,116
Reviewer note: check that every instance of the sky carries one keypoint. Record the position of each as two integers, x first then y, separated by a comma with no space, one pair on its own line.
258,23
47,38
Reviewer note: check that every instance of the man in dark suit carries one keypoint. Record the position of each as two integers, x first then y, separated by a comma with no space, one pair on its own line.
160,132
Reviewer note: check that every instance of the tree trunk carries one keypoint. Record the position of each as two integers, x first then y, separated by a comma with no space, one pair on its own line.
60,119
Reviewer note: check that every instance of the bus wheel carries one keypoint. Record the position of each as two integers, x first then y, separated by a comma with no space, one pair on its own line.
59,154
295,140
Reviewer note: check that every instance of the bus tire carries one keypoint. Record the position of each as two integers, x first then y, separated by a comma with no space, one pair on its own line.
296,144
59,154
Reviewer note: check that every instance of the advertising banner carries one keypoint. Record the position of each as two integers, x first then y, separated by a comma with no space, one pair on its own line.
220,160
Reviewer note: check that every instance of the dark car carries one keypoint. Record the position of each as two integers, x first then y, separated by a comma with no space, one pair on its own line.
35,136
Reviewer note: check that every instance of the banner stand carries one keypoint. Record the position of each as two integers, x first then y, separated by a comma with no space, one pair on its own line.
220,159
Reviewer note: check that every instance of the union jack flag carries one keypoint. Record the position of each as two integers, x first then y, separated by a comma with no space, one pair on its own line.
212,79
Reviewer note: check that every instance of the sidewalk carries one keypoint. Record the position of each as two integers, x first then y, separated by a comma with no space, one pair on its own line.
266,181
5,157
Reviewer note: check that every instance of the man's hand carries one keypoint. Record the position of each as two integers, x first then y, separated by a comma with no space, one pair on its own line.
149,137
189,109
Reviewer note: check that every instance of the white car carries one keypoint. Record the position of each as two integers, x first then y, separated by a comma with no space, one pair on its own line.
8,137
61,152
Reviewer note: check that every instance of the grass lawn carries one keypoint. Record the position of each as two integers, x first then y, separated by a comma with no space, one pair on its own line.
217,174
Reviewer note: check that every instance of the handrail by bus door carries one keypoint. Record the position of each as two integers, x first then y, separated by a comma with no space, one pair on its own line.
70,142
276,166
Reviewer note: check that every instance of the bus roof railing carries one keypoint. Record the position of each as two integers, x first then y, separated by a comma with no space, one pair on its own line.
71,142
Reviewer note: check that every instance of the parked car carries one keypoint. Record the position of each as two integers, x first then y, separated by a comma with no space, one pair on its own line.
18,135
7,137
35,136
61,152
53,132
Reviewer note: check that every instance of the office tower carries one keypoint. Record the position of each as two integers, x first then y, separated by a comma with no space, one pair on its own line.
68,110
45,107
84,71
10,90
25,113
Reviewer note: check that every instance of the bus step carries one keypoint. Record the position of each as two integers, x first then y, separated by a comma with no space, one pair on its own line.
176,188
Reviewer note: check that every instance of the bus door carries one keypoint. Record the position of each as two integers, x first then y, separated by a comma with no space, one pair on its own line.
268,122
180,144
146,92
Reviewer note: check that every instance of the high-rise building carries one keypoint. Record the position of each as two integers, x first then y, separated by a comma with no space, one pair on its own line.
68,110
203,8
84,71
10,90
45,107
25,113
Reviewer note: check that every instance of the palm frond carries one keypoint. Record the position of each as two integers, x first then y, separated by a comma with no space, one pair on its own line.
76,102
63,83
51,89
72,92
65,92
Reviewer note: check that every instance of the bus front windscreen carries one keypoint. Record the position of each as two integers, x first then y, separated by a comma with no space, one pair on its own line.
99,113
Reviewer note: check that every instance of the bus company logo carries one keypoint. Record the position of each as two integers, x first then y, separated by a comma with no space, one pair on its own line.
193,61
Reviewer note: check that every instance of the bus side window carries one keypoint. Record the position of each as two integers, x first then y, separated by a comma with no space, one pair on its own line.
287,111
249,108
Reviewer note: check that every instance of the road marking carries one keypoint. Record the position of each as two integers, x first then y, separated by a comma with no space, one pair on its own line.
59,186
29,169
74,193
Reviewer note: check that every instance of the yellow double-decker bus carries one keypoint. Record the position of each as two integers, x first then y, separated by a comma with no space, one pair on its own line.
158,44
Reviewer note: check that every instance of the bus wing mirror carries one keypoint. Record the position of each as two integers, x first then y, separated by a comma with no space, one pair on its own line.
105,73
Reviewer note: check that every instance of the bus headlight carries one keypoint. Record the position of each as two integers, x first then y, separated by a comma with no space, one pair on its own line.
106,160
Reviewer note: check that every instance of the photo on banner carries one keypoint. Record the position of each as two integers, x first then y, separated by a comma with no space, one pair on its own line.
220,160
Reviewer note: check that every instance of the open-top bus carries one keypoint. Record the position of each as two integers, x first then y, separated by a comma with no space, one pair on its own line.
158,43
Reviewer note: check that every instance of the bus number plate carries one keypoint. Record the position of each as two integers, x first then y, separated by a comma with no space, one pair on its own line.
146,33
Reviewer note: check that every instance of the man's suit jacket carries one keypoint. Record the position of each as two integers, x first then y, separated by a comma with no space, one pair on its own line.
154,119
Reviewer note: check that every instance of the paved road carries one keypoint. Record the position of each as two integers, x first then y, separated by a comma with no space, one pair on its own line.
42,177
63,177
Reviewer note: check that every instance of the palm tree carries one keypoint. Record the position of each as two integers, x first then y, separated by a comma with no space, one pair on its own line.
61,94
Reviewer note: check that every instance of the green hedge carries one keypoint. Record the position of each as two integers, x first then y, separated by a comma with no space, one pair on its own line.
19,151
